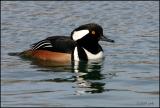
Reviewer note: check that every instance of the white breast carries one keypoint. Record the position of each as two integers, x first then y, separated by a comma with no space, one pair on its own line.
94,56
89,55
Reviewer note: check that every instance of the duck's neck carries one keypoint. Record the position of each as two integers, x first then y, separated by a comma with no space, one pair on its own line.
87,50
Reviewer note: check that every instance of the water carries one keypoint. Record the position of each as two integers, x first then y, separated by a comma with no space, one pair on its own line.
128,76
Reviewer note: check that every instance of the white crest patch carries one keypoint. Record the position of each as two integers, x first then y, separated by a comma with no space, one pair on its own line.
94,56
79,34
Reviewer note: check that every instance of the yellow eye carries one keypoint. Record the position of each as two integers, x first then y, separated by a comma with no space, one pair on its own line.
93,32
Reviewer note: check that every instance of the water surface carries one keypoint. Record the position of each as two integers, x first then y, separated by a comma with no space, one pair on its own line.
128,76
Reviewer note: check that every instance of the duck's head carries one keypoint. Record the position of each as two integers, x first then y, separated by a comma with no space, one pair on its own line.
89,32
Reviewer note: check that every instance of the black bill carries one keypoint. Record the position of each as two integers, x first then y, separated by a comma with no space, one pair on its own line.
103,38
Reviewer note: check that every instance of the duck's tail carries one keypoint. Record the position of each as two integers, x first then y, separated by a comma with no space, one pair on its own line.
14,54
26,53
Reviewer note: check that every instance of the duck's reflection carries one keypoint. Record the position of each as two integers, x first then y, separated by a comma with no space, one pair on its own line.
50,66
88,76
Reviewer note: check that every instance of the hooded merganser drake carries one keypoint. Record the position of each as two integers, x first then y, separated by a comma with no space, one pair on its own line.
81,45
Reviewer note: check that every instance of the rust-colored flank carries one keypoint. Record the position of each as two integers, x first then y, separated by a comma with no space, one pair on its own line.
48,55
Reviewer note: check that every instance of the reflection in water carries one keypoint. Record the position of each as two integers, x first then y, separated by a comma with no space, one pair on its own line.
51,66
87,73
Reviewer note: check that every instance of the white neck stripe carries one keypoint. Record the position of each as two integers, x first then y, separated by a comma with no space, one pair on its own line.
76,57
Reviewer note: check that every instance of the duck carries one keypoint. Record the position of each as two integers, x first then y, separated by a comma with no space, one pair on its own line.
81,45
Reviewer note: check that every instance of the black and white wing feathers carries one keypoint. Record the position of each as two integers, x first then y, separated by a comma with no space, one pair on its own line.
41,45
55,43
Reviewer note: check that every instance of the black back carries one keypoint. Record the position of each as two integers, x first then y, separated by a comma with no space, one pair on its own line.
55,43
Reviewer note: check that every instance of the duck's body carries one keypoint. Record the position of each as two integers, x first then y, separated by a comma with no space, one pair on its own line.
82,45
55,48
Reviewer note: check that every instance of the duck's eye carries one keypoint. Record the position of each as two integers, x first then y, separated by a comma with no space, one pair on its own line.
93,32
